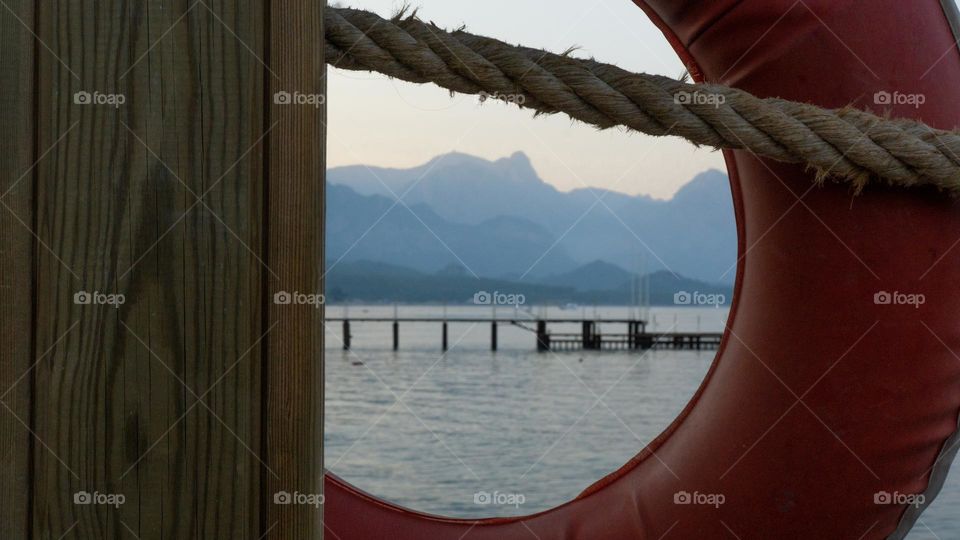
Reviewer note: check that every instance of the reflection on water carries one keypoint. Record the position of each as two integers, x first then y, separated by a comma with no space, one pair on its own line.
479,434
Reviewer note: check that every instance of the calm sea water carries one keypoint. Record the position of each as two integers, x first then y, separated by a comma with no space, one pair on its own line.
534,428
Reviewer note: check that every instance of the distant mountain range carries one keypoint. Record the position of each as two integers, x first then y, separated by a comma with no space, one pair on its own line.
376,282
498,220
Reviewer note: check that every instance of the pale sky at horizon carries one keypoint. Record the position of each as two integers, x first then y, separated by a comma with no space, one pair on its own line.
377,121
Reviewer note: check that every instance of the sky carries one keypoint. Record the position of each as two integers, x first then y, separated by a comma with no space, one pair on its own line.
377,121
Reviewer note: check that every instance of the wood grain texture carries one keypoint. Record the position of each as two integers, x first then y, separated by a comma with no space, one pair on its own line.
296,174
157,400
197,398
17,153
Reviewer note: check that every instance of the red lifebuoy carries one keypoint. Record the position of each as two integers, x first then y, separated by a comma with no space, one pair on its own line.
829,410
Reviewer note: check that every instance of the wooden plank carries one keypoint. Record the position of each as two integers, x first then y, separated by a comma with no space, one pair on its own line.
17,153
155,400
296,172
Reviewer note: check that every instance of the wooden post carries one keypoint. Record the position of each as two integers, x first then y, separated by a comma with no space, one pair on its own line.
396,335
161,217
18,266
543,339
296,171
444,336
493,336
346,334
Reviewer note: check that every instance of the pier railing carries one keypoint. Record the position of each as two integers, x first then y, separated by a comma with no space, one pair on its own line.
636,336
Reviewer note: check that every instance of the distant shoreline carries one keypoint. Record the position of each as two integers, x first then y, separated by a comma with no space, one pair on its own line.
525,307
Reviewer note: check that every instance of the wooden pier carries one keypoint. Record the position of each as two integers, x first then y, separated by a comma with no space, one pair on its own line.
635,337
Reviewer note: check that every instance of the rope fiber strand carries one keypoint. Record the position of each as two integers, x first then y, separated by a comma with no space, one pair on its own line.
845,144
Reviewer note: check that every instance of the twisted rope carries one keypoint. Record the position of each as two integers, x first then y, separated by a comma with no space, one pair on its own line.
846,144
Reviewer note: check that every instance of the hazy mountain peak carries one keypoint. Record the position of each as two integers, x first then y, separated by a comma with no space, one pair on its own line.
708,184
454,159
519,156
498,214
599,264
517,167
453,270
595,275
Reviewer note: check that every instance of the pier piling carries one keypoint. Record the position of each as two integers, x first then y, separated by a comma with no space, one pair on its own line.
543,339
